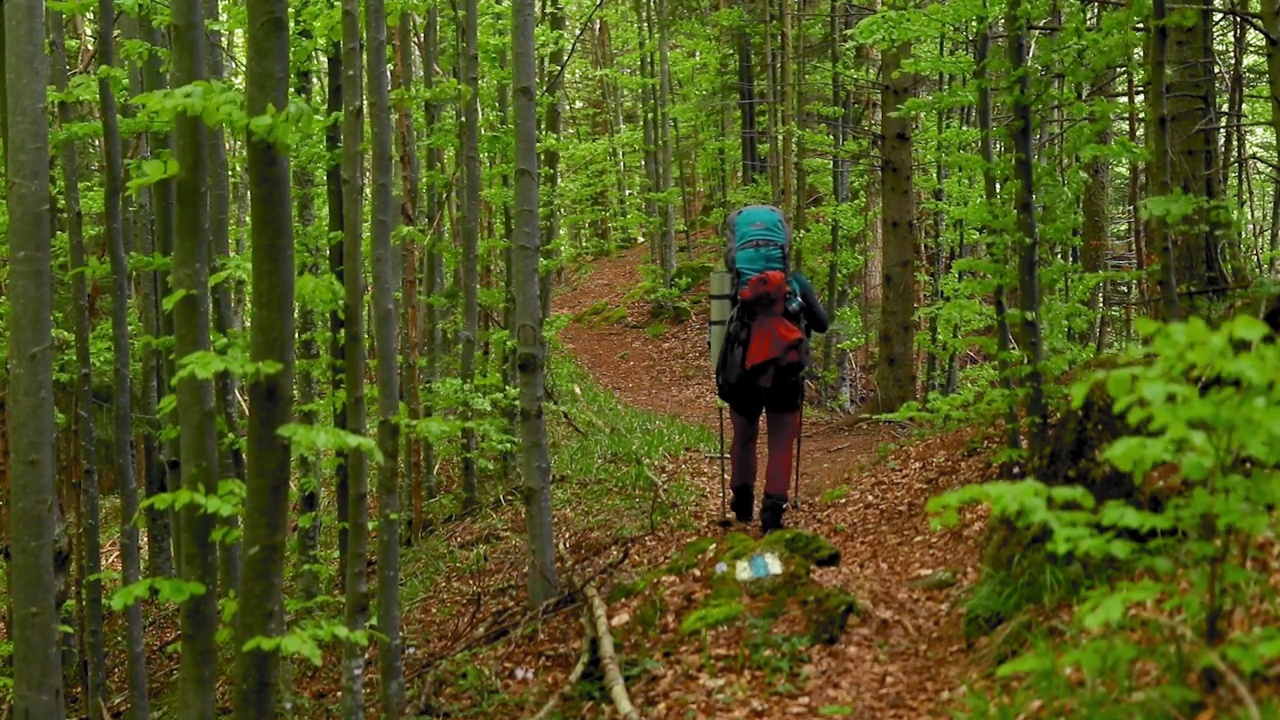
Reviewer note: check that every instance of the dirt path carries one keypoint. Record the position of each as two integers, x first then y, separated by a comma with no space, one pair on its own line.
906,658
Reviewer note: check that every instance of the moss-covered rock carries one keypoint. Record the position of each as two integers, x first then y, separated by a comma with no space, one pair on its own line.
828,611
727,599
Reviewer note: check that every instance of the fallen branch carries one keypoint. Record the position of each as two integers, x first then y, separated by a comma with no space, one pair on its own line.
613,681
554,701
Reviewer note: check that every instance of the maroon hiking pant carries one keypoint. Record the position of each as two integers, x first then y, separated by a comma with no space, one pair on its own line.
782,429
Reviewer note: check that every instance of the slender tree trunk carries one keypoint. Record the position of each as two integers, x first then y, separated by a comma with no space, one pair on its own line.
508,370
231,461
788,161
872,299
896,369
163,206
543,582
155,474
357,584
196,409
1097,213
1270,10
385,332
1028,242
309,516
95,673
751,166
411,216
549,207
122,430
37,676
668,248
1161,182
435,239
271,341
336,195
470,222
982,80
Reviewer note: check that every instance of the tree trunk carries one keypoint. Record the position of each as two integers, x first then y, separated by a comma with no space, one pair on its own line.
1194,169
1161,181
1095,233
37,676
271,339
95,673
122,430
385,332
357,584
409,212
336,195
751,166
196,411
896,368
163,207
1028,240
435,239
231,461
543,582
549,207
307,540
1270,11
982,79
470,222
788,161
668,247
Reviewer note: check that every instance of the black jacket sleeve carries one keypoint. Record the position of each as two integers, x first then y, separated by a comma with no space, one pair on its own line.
815,316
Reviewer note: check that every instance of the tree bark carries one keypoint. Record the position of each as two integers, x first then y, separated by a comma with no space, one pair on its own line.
231,460
357,584
336,194
168,471
271,343
896,368
668,247
470,226
990,193
37,672
1028,241
385,333
94,675
198,443
122,409
543,581
549,205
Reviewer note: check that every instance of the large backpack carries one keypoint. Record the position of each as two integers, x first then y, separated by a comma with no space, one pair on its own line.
760,336
759,240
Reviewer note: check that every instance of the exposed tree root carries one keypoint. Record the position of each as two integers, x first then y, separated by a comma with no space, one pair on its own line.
613,681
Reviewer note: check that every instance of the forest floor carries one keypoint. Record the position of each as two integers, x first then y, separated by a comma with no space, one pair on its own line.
863,487
636,480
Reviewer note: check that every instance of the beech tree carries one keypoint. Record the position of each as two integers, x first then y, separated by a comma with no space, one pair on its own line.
271,346
37,666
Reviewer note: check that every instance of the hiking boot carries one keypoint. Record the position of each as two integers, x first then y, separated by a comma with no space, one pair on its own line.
743,503
771,512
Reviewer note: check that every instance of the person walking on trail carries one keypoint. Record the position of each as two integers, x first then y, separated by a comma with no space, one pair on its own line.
764,356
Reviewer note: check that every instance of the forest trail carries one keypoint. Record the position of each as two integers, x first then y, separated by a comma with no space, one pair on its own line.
906,657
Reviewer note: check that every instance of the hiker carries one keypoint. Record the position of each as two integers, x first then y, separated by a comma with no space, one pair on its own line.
764,355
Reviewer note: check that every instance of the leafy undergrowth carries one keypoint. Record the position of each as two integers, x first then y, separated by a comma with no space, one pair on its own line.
1164,601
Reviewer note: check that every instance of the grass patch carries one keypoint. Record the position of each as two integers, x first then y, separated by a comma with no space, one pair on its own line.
605,468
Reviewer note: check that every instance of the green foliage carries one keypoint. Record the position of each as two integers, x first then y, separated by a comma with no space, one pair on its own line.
1206,398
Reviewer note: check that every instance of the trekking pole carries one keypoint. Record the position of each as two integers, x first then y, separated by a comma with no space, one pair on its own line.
799,437
724,511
